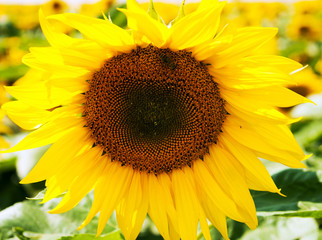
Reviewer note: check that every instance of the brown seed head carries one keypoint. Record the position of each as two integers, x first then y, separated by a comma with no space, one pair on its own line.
154,109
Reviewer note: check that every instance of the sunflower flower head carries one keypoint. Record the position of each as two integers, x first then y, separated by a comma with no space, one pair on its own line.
158,120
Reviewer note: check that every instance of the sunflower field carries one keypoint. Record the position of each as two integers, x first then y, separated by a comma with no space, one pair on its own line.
159,120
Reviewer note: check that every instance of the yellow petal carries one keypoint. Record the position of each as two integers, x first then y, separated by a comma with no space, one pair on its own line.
269,96
285,64
195,28
227,169
55,67
143,25
215,216
132,209
245,77
157,206
204,51
270,116
167,190
101,31
186,204
257,176
61,41
214,192
245,41
50,55
54,38
81,185
63,179
258,143
40,95
25,116
47,134
59,154
108,192
204,225
207,4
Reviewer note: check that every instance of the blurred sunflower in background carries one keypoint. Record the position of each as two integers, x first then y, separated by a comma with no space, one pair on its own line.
4,129
305,27
165,121
54,7
96,8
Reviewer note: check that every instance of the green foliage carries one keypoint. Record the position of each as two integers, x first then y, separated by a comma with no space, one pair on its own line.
306,209
310,137
283,217
11,191
298,185
30,220
9,30
115,235
118,17
283,228
13,72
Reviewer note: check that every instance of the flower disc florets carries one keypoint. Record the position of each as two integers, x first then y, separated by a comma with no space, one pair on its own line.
154,109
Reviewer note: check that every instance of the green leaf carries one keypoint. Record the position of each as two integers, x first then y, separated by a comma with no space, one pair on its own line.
41,195
307,209
284,228
13,72
8,164
118,18
116,235
10,191
30,219
235,231
310,136
298,185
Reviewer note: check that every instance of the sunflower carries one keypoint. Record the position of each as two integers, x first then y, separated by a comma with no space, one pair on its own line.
306,83
169,11
165,121
305,27
96,8
4,129
308,7
22,16
54,7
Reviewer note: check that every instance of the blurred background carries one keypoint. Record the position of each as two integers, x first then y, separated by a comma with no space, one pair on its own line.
299,38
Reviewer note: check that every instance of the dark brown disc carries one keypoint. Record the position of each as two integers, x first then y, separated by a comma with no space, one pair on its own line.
154,109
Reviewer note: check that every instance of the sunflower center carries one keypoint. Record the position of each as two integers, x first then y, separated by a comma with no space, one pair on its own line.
305,30
57,6
154,109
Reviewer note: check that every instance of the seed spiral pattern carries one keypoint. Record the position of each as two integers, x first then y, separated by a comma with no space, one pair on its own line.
154,109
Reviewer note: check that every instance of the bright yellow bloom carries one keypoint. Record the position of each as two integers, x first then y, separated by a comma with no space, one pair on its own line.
307,27
272,10
12,53
306,82
96,8
270,47
23,16
4,129
318,66
54,7
169,11
158,120
308,7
